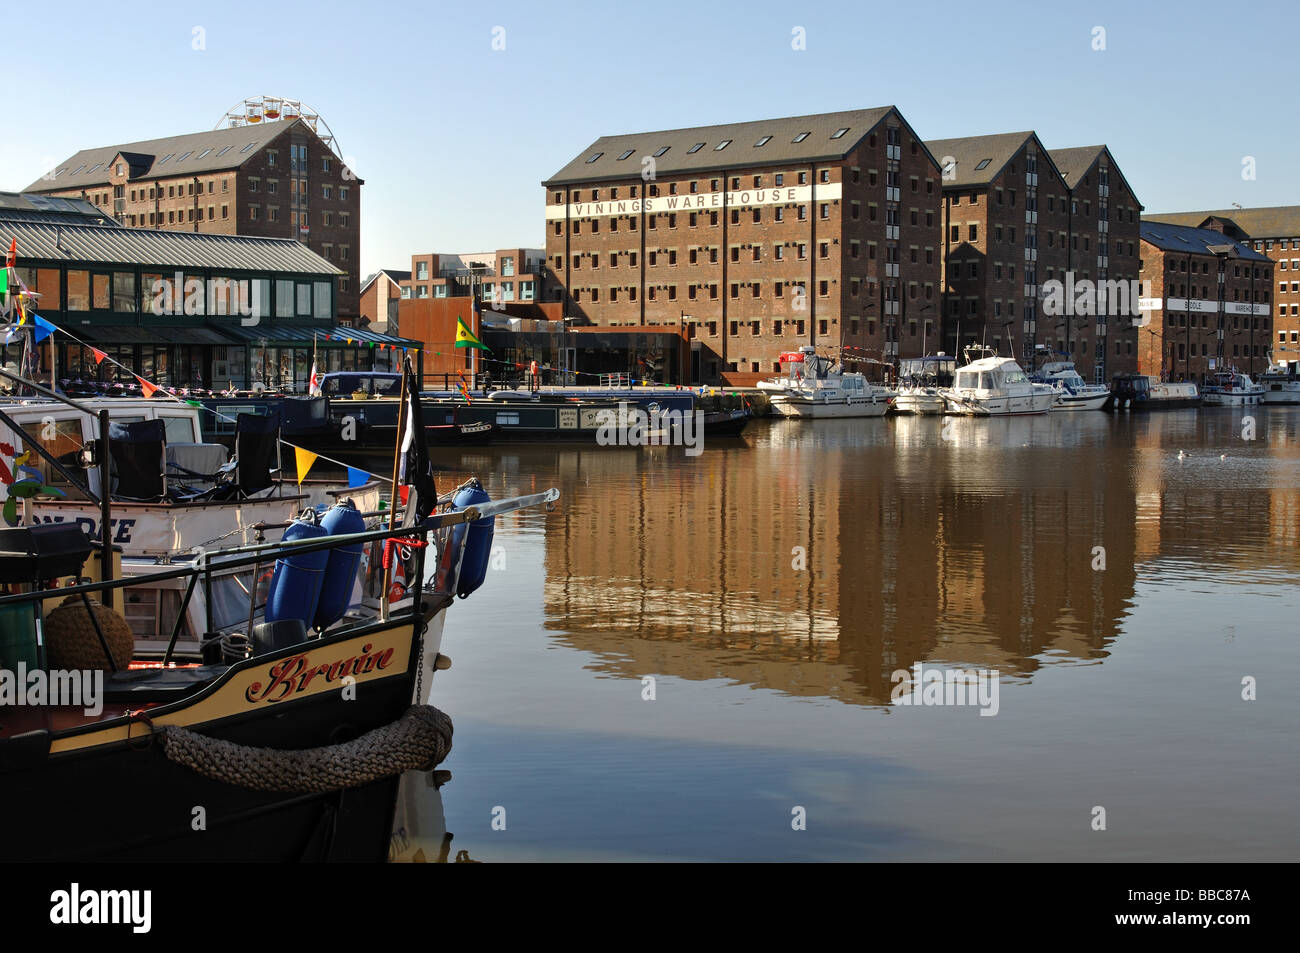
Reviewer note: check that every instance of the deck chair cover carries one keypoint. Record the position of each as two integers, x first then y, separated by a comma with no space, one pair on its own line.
257,450
139,452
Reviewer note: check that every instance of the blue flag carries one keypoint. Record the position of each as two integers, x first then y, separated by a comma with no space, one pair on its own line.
357,478
43,329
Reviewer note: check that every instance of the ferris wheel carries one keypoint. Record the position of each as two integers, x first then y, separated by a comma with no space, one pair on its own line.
258,109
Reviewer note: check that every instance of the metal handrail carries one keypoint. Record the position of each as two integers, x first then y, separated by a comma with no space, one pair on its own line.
249,555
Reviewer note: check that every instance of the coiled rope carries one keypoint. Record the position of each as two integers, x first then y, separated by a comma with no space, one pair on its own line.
418,741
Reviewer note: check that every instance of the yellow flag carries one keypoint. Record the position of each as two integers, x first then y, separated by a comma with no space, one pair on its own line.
303,459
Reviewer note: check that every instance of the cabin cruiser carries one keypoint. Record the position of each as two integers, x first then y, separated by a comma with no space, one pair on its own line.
815,387
1231,389
1072,392
921,382
1281,384
1143,392
996,387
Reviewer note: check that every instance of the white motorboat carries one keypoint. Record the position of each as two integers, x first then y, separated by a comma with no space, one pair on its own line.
1231,389
997,387
1281,384
921,382
1072,392
816,387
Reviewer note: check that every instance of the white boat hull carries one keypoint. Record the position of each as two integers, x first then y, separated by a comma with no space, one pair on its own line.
974,406
163,529
1280,392
1234,399
788,406
920,403
1081,401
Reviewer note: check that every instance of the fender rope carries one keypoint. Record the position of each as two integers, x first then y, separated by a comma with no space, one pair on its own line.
419,740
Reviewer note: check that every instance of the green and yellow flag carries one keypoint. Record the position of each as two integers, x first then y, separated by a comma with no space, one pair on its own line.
465,337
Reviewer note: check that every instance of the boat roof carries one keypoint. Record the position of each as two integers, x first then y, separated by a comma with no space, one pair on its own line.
989,363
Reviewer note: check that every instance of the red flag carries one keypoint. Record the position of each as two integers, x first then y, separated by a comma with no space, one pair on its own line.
146,388
13,253
99,355
404,494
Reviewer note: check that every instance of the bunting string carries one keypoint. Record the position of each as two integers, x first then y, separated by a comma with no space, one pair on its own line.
149,389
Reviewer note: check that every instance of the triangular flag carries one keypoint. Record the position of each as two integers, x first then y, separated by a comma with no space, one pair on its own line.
99,355
4,281
43,329
357,478
303,459
145,387
404,493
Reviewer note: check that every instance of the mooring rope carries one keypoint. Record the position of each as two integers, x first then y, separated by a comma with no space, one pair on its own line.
419,740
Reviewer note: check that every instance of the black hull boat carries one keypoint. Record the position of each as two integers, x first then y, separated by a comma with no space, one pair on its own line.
283,747
1140,392
119,792
726,423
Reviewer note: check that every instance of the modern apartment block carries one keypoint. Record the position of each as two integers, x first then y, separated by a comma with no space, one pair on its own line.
754,238
1275,233
270,180
1212,302
1022,227
505,275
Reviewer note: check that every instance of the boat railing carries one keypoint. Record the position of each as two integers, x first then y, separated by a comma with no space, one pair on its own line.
206,565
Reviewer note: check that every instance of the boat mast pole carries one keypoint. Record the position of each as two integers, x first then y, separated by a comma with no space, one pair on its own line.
392,506
105,501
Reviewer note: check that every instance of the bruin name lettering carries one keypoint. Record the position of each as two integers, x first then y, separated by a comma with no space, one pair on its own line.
291,675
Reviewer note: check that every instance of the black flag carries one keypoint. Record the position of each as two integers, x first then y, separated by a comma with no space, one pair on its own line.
416,467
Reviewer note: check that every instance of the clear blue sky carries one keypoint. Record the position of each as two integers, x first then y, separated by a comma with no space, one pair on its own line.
454,137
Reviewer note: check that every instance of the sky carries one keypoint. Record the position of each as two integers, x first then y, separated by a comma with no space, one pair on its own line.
454,115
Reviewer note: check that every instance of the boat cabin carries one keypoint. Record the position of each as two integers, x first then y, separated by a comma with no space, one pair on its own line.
931,371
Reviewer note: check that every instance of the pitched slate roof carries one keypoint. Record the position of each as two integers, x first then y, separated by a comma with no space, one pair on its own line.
970,153
1278,221
1073,163
1184,238
674,152
192,153
76,241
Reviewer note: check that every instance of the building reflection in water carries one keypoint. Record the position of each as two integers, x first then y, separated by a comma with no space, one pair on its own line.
970,546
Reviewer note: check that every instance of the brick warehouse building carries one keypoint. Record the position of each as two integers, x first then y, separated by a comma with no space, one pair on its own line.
270,180
1275,233
1015,216
754,238
1213,302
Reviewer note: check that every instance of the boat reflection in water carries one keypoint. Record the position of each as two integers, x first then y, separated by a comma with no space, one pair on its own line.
773,588
954,541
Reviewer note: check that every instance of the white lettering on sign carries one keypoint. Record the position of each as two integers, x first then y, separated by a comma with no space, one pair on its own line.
703,201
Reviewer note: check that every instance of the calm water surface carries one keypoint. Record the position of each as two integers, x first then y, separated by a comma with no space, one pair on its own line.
1119,688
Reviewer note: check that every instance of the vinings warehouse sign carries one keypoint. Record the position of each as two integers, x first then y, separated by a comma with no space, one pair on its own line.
701,201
